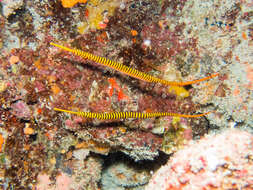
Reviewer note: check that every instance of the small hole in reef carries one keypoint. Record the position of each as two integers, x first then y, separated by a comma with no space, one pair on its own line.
188,87
33,137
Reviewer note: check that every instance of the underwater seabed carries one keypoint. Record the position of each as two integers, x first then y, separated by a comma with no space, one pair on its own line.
126,95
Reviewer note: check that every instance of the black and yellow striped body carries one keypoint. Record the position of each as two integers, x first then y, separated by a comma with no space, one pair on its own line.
136,74
128,70
125,115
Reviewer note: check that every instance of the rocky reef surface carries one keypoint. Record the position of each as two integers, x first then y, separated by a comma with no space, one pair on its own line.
170,39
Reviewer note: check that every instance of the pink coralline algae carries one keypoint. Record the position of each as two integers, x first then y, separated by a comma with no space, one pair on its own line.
21,110
223,161
62,182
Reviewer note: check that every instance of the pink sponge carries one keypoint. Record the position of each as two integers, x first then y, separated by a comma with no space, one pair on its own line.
224,161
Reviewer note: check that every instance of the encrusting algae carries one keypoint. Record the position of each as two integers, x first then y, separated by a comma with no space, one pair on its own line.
41,148
95,15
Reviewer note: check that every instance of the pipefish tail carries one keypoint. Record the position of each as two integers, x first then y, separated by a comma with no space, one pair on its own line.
128,70
126,115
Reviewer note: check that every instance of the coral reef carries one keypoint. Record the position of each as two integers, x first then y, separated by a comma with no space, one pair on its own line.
173,40
78,175
97,13
122,175
9,7
227,50
222,161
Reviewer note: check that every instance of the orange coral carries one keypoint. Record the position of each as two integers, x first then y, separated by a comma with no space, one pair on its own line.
14,59
55,89
114,85
71,3
28,131
1,142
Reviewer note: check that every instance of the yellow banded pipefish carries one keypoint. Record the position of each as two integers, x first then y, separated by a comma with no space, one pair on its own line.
126,115
128,70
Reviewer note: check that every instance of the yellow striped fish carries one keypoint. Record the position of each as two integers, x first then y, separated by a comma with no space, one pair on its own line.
126,115
128,70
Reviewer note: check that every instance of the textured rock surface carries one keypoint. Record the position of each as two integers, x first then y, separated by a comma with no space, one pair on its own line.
174,40
122,175
222,161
